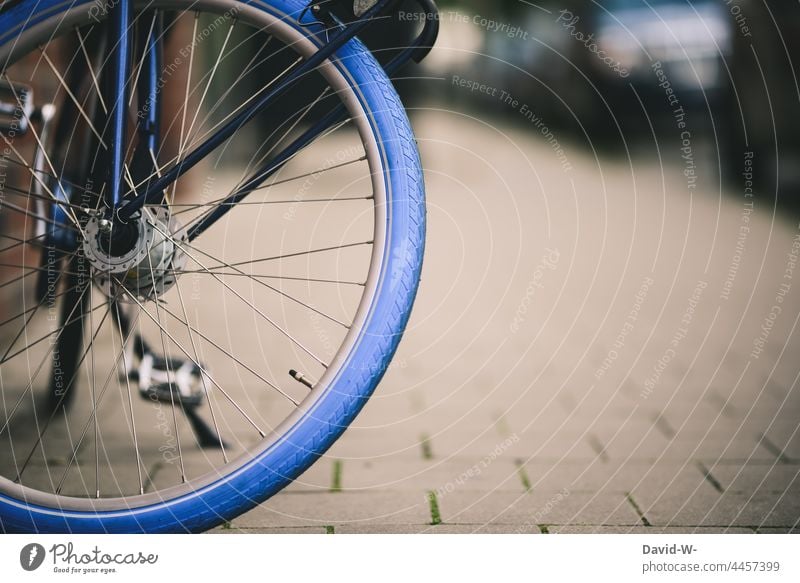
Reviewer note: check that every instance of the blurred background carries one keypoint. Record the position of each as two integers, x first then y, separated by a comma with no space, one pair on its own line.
589,68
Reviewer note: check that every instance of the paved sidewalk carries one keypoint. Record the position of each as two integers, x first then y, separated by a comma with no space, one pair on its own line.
593,350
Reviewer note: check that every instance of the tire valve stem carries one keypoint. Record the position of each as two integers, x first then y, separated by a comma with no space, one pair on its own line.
301,378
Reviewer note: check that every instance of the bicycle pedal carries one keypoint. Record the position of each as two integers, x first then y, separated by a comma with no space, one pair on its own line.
169,380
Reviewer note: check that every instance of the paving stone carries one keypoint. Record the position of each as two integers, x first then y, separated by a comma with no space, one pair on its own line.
287,530
559,529
456,473
438,529
536,508
615,476
705,508
786,436
311,509
753,478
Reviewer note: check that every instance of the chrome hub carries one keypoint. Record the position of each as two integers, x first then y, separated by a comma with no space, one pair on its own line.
142,256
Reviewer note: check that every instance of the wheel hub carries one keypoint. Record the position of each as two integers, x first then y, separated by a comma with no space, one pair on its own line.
142,255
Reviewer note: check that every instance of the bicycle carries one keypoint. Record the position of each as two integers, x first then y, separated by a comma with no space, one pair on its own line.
129,402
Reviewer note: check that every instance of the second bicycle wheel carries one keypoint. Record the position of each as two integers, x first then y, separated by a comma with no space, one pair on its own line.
146,387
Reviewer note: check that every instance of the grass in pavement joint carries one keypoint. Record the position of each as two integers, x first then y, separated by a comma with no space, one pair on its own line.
710,477
523,475
638,510
336,478
436,518
598,448
501,424
663,426
774,449
330,530
427,450
544,529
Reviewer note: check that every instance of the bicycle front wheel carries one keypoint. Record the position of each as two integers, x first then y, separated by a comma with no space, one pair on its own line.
174,353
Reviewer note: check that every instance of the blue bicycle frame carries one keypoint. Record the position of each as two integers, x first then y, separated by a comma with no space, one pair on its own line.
120,59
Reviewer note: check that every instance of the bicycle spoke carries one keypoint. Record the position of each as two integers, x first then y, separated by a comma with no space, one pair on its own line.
45,337
125,369
40,366
21,243
95,405
197,140
169,371
308,174
17,279
33,268
198,227
21,314
227,92
183,135
192,207
232,357
145,51
29,240
249,68
274,324
258,281
90,67
286,277
93,382
17,209
26,194
35,173
303,115
74,99
242,105
186,323
23,330
211,76
294,254
224,201
22,164
53,199
182,138
202,378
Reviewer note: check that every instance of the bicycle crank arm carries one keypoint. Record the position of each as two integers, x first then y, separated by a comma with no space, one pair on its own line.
206,437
